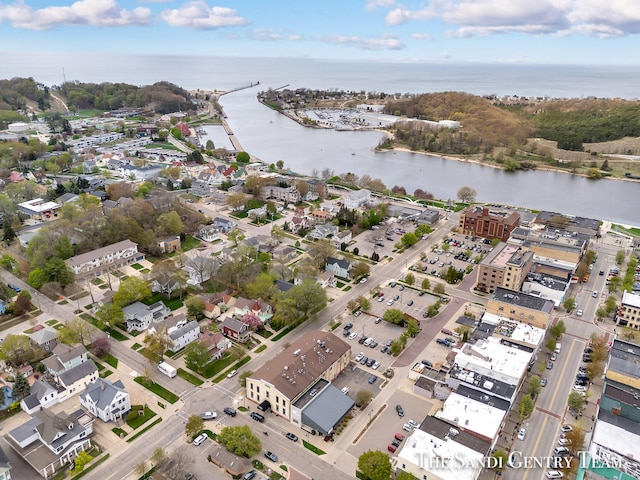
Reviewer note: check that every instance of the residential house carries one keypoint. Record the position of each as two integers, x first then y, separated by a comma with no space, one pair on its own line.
327,279
5,467
299,223
105,259
339,267
342,237
320,216
184,129
329,207
258,307
261,243
286,252
200,188
232,464
42,395
323,231
109,401
49,441
139,316
216,343
65,358
212,304
235,329
140,174
183,335
170,244
77,378
357,199
46,338
208,233
224,225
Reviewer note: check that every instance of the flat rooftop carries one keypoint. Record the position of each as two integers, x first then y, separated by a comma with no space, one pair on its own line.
513,297
494,360
516,331
472,415
630,299
616,434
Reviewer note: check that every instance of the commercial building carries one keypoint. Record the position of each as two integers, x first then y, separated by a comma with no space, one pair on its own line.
629,311
38,207
520,307
488,223
105,259
505,266
557,244
296,384
615,441
547,287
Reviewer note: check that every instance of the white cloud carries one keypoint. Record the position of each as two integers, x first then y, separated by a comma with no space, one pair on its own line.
422,36
199,15
373,4
389,42
97,13
601,18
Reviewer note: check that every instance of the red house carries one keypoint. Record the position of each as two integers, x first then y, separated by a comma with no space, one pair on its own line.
236,330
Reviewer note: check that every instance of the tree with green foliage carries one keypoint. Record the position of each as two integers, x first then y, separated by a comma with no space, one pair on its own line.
240,441
194,426
396,347
300,303
393,315
426,284
403,475
502,458
109,314
197,356
558,329
195,308
534,386
569,304
242,378
243,157
280,164
551,344
526,407
594,370
76,331
262,286
611,305
21,387
575,401
82,459
9,233
132,289
614,284
620,256
601,313
18,350
156,344
413,327
438,288
22,303
375,465
409,279
409,239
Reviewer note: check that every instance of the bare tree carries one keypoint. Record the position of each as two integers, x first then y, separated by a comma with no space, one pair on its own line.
327,173
467,194
203,265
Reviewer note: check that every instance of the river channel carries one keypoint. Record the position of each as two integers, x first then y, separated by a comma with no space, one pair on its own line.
271,136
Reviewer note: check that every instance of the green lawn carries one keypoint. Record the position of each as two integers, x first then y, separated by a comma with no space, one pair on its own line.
116,334
235,366
190,243
138,420
157,389
261,348
140,432
173,303
51,323
217,366
137,266
283,333
189,377
313,448
119,432
110,360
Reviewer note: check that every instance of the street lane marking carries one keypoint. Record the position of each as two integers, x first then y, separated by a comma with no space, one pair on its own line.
535,445
564,368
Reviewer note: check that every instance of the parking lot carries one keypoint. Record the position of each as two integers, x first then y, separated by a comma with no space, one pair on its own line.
356,378
408,300
388,423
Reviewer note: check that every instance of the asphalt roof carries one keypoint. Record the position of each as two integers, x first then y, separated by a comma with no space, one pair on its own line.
441,429
327,409
625,359
76,373
513,297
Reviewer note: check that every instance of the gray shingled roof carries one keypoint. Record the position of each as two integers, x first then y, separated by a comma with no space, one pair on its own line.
43,335
102,392
38,390
76,373
179,332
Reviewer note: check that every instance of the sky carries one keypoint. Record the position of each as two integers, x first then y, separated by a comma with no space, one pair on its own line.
582,32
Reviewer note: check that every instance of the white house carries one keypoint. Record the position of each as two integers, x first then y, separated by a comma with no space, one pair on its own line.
105,259
341,237
42,395
48,441
208,233
183,335
139,316
338,266
357,198
106,400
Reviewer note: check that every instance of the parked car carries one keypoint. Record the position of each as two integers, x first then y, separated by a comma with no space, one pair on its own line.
200,439
399,436
554,356
543,382
232,373
522,433
562,442
427,363
250,475
442,341
579,312
353,335
372,379
364,360
257,417
381,299
373,344
348,326
409,303
392,448
561,451
395,442
392,284
549,365
566,428
446,331
13,287
554,474
370,362
359,357
345,390
400,410
357,313
230,411
292,437
271,456
378,320
375,365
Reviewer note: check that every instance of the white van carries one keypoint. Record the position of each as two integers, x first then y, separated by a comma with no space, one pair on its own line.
167,369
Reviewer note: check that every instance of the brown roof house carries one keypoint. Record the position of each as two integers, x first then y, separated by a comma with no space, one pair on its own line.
229,462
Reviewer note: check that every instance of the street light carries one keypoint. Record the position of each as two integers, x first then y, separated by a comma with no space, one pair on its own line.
370,412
